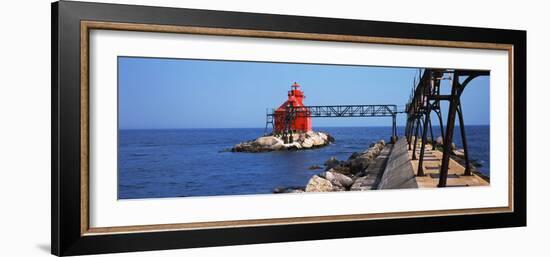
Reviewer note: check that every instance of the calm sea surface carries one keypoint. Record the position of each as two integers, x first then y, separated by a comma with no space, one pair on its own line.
190,162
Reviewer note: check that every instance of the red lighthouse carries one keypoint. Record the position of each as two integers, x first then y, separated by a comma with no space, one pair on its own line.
292,116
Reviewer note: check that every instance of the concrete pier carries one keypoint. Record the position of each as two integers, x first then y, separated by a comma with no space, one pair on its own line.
398,172
432,164
385,166
374,171
401,170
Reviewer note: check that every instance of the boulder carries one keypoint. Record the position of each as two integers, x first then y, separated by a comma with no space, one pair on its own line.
278,146
314,167
293,145
359,174
337,179
318,184
369,155
330,138
361,184
317,140
359,164
331,163
323,136
307,143
429,140
251,146
375,151
439,140
237,148
336,187
268,141
354,155
459,153
346,170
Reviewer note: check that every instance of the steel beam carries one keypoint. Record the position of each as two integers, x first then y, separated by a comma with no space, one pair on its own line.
416,137
431,131
467,170
448,138
420,171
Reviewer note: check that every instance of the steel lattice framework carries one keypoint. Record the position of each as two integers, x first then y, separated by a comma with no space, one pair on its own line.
424,100
328,111
338,111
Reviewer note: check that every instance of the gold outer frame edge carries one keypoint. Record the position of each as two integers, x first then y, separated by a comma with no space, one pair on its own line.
86,26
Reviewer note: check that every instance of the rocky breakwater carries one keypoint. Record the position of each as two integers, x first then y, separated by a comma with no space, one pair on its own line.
349,175
308,140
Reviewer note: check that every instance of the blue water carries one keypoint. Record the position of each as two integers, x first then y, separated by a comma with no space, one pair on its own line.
190,162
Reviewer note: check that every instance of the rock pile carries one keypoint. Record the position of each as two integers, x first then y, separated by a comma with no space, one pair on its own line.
349,175
306,140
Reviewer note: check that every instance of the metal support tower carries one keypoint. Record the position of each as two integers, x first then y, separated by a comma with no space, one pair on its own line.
425,99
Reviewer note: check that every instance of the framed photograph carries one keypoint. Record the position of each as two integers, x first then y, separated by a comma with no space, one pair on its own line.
178,128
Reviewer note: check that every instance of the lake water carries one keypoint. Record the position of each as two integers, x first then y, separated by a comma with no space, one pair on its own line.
191,162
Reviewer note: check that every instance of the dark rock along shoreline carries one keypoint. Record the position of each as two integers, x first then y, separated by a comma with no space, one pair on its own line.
352,174
341,175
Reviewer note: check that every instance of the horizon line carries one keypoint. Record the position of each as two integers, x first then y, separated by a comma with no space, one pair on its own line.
375,126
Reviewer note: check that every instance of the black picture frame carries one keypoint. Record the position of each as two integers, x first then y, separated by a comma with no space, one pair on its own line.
66,234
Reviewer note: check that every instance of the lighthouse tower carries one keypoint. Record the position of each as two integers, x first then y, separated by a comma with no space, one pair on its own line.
292,116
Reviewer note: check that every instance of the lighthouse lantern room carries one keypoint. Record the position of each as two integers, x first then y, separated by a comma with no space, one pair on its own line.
292,116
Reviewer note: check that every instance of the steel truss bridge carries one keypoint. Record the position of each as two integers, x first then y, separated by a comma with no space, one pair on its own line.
425,100
336,111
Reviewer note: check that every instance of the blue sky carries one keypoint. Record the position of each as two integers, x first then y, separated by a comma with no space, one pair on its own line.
156,93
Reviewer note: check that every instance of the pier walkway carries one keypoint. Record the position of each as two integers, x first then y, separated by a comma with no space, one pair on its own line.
401,170
432,166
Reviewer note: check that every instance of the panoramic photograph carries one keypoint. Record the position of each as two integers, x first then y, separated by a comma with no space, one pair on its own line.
189,128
